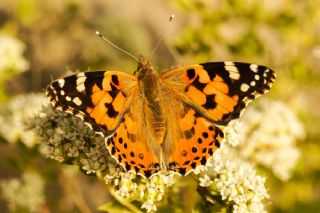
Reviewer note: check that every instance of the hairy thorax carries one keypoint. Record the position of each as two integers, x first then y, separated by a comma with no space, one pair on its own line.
150,87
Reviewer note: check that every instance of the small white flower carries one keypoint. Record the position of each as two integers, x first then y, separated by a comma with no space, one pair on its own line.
149,206
66,138
11,54
232,136
205,181
268,137
235,180
26,193
16,113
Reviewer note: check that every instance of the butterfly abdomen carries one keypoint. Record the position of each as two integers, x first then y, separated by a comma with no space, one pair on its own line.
150,87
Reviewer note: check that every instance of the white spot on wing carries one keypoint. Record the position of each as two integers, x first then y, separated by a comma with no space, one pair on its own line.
231,69
77,101
100,133
88,124
62,92
79,115
81,78
68,98
69,111
61,82
79,75
252,83
257,77
254,67
228,63
244,87
233,72
80,87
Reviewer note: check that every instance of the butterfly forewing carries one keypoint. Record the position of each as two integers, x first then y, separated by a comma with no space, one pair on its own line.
98,97
221,89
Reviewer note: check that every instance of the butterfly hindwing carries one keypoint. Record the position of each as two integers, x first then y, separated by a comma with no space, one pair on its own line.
191,136
221,89
131,144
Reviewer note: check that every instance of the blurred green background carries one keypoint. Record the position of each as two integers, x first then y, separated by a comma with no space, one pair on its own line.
42,40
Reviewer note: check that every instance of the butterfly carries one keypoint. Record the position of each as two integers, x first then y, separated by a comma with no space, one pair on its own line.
172,121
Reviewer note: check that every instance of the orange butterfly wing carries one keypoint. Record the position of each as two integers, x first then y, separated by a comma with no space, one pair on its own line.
97,97
220,89
132,144
108,102
191,136
211,95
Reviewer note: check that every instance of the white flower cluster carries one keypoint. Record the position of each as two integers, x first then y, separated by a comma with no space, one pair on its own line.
67,139
229,176
268,137
25,194
11,55
130,186
15,112
235,181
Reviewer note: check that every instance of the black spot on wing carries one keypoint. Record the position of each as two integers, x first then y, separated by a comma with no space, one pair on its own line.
191,73
216,68
194,165
203,161
210,102
114,93
197,84
147,173
187,162
184,153
182,171
189,133
131,137
115,80
93,78
110,110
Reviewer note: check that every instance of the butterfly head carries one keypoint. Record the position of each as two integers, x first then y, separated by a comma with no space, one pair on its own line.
144,67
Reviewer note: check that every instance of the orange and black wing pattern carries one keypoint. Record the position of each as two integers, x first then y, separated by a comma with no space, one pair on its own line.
98,97
220,89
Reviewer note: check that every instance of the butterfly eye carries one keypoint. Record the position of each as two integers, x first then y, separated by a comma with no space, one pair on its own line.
190,75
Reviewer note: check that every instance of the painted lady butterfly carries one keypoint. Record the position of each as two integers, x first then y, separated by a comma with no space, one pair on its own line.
158,122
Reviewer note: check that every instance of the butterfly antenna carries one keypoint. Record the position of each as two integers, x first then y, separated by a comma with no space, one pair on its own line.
161,39
115,46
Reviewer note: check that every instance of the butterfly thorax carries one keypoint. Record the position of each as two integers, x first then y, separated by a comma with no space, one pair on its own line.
150,88
148,80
